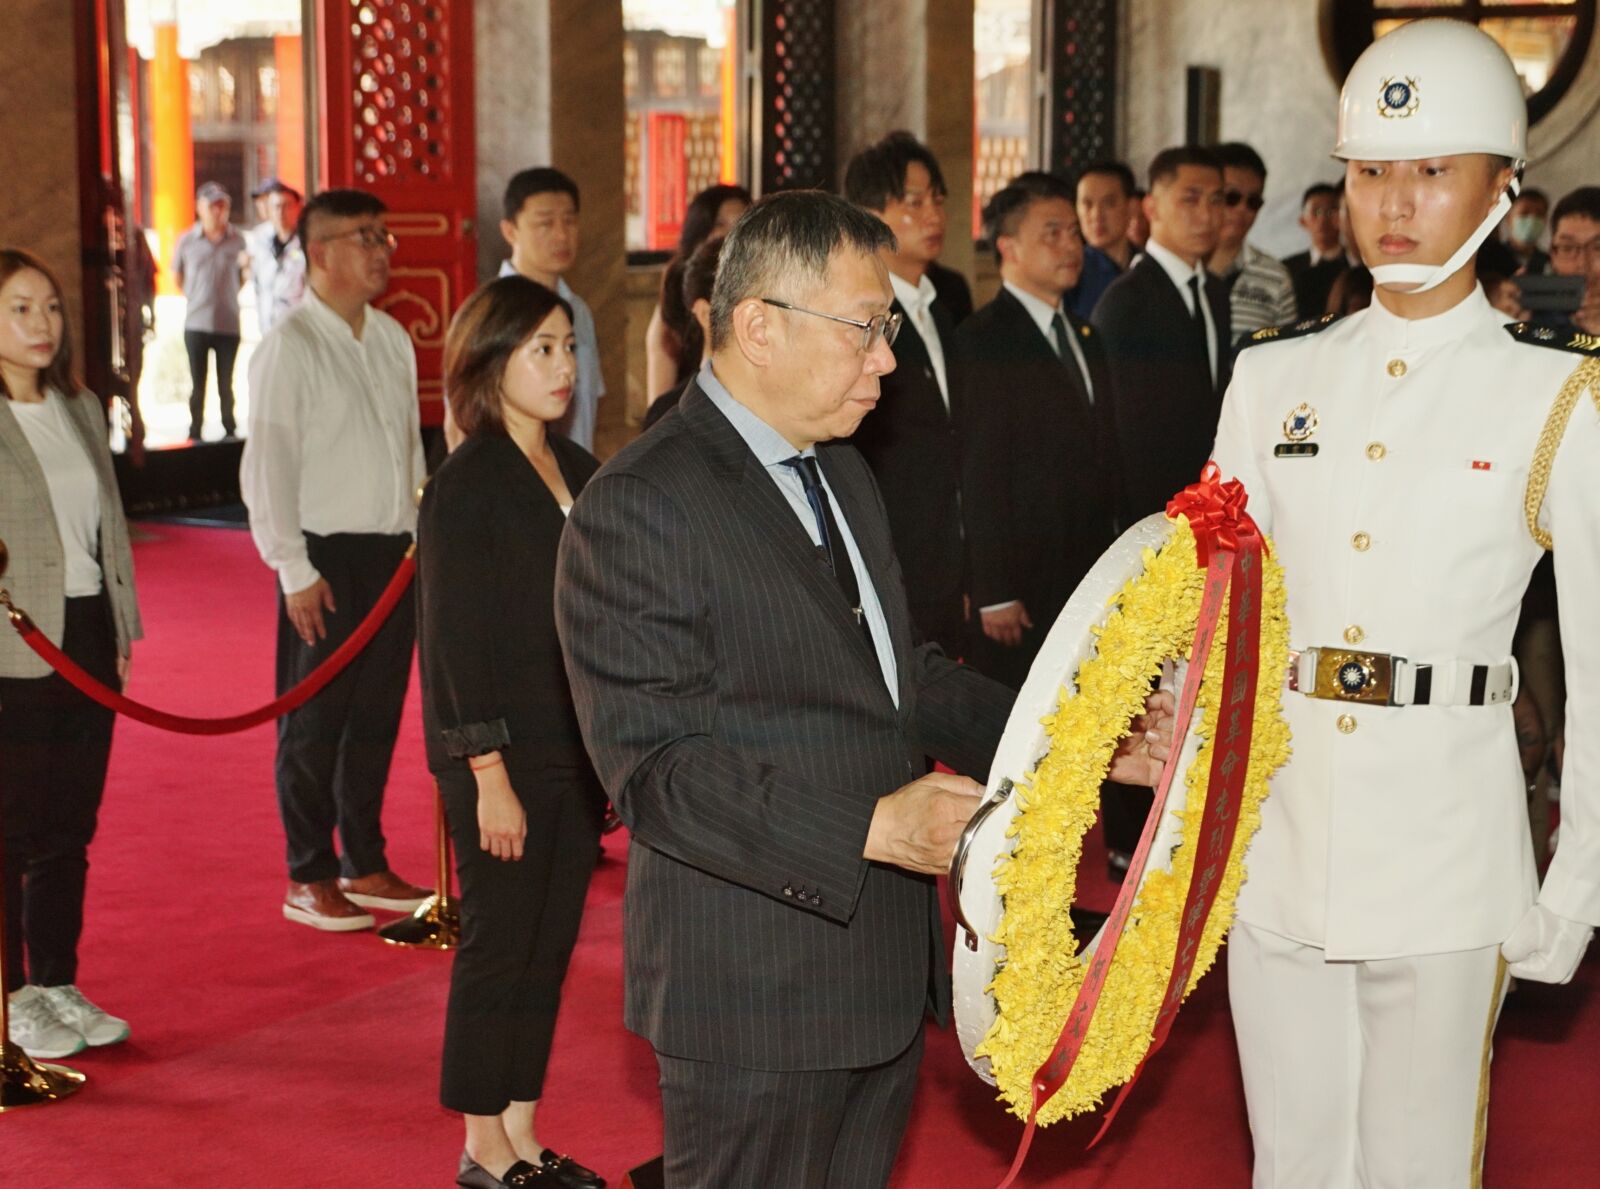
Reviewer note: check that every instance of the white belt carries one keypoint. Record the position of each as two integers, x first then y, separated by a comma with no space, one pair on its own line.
1348,675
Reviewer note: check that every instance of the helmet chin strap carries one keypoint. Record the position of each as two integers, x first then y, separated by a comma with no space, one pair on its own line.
1422,277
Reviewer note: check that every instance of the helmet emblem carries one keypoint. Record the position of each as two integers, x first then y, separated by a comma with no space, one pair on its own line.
1397,98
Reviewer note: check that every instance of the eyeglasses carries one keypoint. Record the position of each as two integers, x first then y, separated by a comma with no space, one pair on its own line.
1234,197
1565,250
371,237
884,326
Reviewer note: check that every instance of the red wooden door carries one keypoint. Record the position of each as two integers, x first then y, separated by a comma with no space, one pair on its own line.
396,119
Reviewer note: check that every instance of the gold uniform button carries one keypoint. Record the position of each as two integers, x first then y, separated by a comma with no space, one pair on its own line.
1361,542
1353,634
1397,368
1376,451
1346,724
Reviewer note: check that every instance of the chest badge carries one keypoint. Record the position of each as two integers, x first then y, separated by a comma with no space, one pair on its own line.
1397,98
1300,424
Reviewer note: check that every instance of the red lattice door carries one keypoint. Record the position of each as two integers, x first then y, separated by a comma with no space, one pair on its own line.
397,120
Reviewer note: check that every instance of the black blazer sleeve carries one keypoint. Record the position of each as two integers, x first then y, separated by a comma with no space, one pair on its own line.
989,433
458,568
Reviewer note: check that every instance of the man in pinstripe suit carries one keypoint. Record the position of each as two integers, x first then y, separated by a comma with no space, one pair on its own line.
749,686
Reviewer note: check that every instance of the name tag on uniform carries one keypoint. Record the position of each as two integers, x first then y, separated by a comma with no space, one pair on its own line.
1295,450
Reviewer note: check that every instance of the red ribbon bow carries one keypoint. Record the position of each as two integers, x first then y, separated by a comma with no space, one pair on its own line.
1215,512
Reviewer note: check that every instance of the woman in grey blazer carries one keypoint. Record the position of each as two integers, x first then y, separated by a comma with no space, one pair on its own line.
72,570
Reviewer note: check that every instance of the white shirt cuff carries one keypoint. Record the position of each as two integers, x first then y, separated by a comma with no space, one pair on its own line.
999,606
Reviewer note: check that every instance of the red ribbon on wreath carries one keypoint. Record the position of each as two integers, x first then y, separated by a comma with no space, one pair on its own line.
1229,547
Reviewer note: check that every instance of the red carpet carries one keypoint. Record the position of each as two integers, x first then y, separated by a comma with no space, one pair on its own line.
264,1054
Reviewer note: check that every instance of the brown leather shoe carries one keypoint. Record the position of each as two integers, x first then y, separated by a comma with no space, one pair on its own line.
323,906
384,889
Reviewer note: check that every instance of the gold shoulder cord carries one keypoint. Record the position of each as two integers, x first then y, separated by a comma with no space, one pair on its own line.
1585,375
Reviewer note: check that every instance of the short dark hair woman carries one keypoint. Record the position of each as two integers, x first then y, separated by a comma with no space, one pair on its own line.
72,569
502,738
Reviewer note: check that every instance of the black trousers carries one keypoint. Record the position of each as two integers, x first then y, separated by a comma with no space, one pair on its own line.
334,752
199,344
732,1128
519,924
54,747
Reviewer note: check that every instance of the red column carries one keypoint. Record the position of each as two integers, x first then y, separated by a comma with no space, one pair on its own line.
172,163
291,121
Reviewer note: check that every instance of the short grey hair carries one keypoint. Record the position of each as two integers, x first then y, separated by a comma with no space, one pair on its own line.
784,242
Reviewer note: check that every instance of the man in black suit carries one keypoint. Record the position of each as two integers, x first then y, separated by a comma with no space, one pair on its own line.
1315,270
743,665
1040,478
1165,326
909,440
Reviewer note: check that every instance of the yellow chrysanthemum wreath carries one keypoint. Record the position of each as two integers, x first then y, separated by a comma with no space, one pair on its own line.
1153,619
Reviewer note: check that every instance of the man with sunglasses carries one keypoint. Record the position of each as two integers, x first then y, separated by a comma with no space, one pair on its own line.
329,474
1260,290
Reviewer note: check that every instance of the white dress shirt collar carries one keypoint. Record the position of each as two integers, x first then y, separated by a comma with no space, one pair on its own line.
1044,315
917,301
1181,272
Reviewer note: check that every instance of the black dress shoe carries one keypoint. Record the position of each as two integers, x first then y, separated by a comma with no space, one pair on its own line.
472,1175
566,1171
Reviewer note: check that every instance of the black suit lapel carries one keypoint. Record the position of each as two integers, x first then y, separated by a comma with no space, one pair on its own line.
754,495
1027,331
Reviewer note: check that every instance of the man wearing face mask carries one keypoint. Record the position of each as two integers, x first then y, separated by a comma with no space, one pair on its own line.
1524,228
1412,462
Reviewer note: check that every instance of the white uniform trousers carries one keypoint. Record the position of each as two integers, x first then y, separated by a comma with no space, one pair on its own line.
1364,1074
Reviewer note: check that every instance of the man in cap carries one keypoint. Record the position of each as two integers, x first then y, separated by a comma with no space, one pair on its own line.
206,263
1389,454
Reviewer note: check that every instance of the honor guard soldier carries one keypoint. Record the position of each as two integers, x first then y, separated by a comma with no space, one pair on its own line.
1412,462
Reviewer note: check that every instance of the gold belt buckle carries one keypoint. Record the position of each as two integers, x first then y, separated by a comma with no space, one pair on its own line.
1346,676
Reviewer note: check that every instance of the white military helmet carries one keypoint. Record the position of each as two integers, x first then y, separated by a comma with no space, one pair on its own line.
1434,88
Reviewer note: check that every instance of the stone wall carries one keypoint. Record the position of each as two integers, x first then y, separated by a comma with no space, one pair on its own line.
1278,95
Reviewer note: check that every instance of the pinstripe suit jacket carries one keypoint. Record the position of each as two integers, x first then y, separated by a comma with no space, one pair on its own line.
742,728
37,575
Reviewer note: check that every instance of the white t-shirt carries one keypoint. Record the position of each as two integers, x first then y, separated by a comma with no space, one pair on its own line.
74,488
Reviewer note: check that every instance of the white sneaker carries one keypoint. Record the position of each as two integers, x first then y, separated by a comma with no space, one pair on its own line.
88,1021
35,1028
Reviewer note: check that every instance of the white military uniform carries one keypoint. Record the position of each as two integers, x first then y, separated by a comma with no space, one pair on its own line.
1394,852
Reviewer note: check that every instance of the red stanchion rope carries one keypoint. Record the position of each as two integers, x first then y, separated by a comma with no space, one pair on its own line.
183,724
1228,545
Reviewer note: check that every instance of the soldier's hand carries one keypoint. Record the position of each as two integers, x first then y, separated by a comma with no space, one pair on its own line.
1140,757
1004,625
918,825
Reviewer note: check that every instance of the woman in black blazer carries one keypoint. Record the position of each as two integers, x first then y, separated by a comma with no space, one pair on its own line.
502,738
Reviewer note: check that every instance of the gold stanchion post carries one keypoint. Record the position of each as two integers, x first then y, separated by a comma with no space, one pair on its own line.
24,1081
436,922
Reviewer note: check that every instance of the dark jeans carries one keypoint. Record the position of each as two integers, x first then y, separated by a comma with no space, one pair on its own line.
54,747
199,344
519,923
334,752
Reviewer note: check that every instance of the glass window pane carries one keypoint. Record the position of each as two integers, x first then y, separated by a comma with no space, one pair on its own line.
679,87
1003,60
1535,45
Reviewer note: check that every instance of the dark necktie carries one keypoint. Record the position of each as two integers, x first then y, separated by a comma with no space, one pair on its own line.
833,546
1058,331
1198,322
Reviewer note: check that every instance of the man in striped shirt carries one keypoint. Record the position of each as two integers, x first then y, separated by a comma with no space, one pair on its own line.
1260,290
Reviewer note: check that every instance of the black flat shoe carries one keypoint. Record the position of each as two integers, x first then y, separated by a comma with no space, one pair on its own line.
567,1172
472,1175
